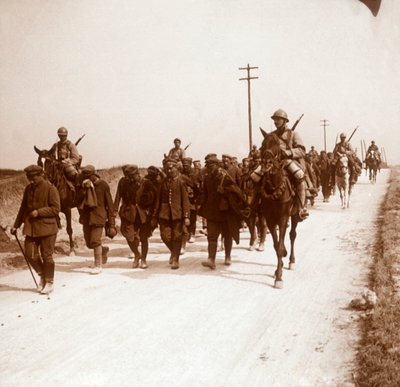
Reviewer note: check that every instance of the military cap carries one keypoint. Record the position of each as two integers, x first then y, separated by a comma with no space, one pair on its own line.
131,169
210,155
196,161
212,160
187,160
152,170
245,159
32,170
225,156
88,170
177,139
170,160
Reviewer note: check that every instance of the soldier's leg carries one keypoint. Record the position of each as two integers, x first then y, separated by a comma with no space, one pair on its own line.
33,257
144,234
228,242
166,235
213,232
47,249
95,244
301,192
177,237
129,232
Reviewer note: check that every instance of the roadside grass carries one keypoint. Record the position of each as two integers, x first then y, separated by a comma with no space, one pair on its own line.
378,357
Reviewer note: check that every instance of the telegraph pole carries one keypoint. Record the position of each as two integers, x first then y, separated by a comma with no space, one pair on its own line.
248,78
325,123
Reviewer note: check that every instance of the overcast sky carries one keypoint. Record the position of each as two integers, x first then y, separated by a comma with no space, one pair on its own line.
133,75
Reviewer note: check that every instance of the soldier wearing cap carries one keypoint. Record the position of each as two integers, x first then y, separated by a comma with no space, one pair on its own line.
127,189
176,153
173,210
96,210
293,151
232,170
193,185
217,209
66,153
38,212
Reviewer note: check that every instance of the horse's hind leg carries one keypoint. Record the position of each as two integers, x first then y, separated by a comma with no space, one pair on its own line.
68,217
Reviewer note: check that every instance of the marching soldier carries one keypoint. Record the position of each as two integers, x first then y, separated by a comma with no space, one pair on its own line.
39,214
172,211
292,148
219,210
127,189
66,153
96,210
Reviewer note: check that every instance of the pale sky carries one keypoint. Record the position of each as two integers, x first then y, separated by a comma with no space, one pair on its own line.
133,75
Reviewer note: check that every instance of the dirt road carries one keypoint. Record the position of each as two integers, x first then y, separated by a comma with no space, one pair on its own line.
193,326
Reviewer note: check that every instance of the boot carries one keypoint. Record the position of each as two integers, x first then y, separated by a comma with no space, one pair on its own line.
227,261
183,247
209,263
145,248
104,252
134,246
42,283
301,192
98,257
176,249
48,288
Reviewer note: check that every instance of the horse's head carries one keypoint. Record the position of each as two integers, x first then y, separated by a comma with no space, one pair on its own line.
270,150
43,155
342,165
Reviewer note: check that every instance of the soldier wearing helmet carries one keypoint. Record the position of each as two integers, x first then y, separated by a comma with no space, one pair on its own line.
66,153
293,149
342,148
372,151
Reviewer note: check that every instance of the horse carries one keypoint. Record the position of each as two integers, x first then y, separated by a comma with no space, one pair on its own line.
55,174
372,163
278,202
342,177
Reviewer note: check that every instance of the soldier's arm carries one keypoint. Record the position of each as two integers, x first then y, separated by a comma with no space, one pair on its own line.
22,210
74,154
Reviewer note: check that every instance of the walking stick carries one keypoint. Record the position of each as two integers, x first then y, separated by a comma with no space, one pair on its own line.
26,260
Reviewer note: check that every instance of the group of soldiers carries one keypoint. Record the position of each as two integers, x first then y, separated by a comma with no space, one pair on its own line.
223,193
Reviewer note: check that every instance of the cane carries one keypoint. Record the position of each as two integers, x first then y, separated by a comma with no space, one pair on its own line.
26,260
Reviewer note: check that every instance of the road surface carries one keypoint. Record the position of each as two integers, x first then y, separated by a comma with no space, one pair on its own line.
194,326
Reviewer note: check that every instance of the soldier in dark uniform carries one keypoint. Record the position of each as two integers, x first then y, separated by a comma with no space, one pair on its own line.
373,149
147,198
192,184
96,210
232,169
127,189
216,207
66,153
39,213
172,210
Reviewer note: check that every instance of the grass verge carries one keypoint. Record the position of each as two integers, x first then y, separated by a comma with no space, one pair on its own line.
378,357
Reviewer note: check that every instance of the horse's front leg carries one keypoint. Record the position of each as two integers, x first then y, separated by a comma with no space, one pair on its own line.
280,253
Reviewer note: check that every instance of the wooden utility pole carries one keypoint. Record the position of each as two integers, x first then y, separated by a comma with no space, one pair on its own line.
362,152
248,78
325,123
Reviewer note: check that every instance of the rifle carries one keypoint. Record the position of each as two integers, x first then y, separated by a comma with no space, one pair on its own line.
187,146
79,140
297,122
352,134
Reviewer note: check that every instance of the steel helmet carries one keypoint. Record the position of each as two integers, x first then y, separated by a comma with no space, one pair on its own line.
280,114
372,142
343,135
62,131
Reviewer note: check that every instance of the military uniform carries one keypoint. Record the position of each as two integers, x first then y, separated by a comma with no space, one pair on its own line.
173,208
127,189
96,209
38,212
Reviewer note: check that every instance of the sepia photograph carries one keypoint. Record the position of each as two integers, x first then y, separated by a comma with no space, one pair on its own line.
199,193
